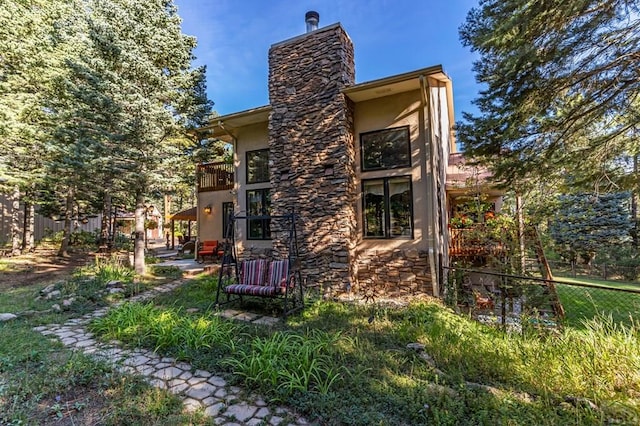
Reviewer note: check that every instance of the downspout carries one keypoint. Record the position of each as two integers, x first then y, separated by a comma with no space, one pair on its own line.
431,222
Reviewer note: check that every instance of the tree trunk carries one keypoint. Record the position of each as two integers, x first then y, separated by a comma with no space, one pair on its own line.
28,227
66,235
105,225
138,248
15,222
520,215
634,205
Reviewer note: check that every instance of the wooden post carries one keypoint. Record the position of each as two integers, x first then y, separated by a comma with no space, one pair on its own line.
520,215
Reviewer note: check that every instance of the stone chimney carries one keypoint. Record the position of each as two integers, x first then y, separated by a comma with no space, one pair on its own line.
312,153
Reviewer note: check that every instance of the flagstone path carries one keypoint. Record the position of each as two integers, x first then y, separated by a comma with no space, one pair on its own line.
199,389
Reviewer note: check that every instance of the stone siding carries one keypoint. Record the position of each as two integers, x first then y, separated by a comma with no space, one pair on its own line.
312,153
394,273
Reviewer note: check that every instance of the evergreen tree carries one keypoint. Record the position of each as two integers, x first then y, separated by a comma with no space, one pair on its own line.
32,54
585,224
561,87
157,93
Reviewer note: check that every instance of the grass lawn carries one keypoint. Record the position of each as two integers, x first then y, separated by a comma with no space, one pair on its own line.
582,303
337,364
345,364
44,383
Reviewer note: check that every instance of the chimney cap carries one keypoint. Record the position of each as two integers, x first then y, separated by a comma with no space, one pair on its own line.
312,18
311,14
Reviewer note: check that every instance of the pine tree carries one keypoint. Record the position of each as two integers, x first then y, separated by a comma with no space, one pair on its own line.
561,87
585,224
147,61
30,59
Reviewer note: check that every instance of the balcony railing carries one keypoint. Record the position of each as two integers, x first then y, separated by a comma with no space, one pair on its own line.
215,177
468,242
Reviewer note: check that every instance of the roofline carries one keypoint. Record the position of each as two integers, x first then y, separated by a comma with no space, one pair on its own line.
304,35
395,79
234,115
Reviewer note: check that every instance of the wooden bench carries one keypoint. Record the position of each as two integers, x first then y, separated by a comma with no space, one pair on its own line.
211,248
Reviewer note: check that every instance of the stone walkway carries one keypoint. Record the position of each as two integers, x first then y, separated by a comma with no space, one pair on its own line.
199,389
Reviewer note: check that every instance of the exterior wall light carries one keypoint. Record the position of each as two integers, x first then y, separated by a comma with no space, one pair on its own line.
207,209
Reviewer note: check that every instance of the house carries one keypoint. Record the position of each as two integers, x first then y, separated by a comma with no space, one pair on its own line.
364,165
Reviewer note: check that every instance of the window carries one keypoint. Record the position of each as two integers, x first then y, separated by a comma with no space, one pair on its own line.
385,149
258,203
388,207
227,210
258,166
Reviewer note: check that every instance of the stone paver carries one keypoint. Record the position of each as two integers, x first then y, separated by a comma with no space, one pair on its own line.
200,390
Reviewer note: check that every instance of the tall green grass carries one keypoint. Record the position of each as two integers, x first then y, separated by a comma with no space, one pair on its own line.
286,363
165,329
354,367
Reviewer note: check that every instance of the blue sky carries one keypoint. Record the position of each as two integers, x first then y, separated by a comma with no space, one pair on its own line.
389,36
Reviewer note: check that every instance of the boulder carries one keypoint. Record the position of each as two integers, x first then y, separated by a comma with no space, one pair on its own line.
53,295
7,317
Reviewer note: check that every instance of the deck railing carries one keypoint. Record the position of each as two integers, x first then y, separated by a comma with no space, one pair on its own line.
466,243
215,177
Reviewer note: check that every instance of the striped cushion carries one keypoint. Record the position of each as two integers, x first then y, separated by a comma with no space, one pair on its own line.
278,270
252,290
253,271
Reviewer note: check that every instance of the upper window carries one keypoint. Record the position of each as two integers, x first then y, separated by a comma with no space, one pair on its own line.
385,149
258,166
388,207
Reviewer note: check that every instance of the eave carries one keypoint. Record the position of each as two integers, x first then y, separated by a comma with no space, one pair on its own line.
224,126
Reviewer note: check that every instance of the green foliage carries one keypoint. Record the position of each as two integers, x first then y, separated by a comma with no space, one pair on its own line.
561,83
288,363
42,383
165,329
95,99
585,224
479,374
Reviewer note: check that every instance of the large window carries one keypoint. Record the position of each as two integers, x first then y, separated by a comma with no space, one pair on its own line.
388,207
385,149
258,203
258,166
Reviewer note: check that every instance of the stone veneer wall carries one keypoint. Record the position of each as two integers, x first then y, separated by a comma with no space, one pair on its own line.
312,153
394,273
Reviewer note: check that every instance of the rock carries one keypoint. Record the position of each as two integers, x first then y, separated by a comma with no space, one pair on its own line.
114,283
425,356
581,402
116,290
440,389
7,317
68,302
53,294
418,347
56,308
48,289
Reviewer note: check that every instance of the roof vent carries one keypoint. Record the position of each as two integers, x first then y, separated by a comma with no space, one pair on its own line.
312,18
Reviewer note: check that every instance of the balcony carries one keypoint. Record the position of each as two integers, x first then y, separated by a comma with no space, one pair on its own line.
214,177
473,242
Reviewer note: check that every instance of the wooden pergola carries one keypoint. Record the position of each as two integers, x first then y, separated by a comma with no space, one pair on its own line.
189,215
